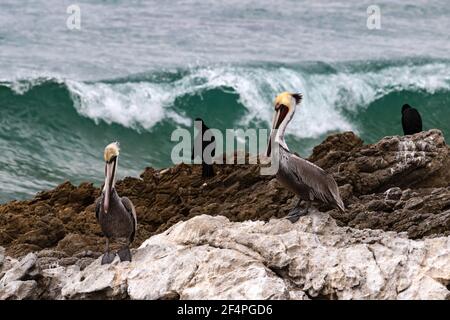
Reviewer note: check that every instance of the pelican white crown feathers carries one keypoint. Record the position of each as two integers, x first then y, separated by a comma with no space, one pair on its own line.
111,151
116,215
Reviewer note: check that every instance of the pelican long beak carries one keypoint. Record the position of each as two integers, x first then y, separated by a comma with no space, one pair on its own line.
110,169
281,112
276,116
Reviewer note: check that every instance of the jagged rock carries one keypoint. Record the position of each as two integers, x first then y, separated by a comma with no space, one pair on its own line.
421,213
73,244
399,184
210,257
394,193
332,146
2,256
13,282
18,290
396,161
19,269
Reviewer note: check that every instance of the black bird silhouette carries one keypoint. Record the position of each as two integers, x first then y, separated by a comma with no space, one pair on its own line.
207,168
411,120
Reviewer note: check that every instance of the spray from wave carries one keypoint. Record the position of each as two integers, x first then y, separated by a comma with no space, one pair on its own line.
329,93
53,129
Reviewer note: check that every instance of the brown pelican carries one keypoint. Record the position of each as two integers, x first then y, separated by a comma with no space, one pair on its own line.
305,179
116,215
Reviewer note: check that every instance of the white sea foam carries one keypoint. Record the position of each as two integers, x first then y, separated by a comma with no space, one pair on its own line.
129,104
25,80
327,97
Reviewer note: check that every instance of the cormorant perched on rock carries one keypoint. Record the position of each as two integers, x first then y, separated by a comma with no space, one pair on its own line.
116,215
207,167
305,179
411,120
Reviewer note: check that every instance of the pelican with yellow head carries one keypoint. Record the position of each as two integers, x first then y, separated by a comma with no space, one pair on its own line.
116,215
303,178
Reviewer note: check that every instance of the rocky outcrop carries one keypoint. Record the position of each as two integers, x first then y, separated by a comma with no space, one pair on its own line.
210,257
398,161
399,184
14,278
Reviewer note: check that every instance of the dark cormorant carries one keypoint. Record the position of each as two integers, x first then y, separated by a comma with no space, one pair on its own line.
411,120
207,167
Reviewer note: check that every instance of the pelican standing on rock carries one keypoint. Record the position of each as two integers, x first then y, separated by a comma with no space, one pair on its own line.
116,215
305,179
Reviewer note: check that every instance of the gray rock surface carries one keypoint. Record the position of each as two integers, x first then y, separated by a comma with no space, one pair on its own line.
210,257
2,256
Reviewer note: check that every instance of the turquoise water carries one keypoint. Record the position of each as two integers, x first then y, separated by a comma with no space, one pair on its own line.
137,70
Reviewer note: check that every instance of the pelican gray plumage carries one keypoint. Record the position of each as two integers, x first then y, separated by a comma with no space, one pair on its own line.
116,215
305,179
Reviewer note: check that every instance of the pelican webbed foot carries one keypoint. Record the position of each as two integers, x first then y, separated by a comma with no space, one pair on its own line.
108,257
298,212
124,254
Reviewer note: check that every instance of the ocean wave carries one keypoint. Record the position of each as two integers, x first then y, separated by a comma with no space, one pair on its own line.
330,93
